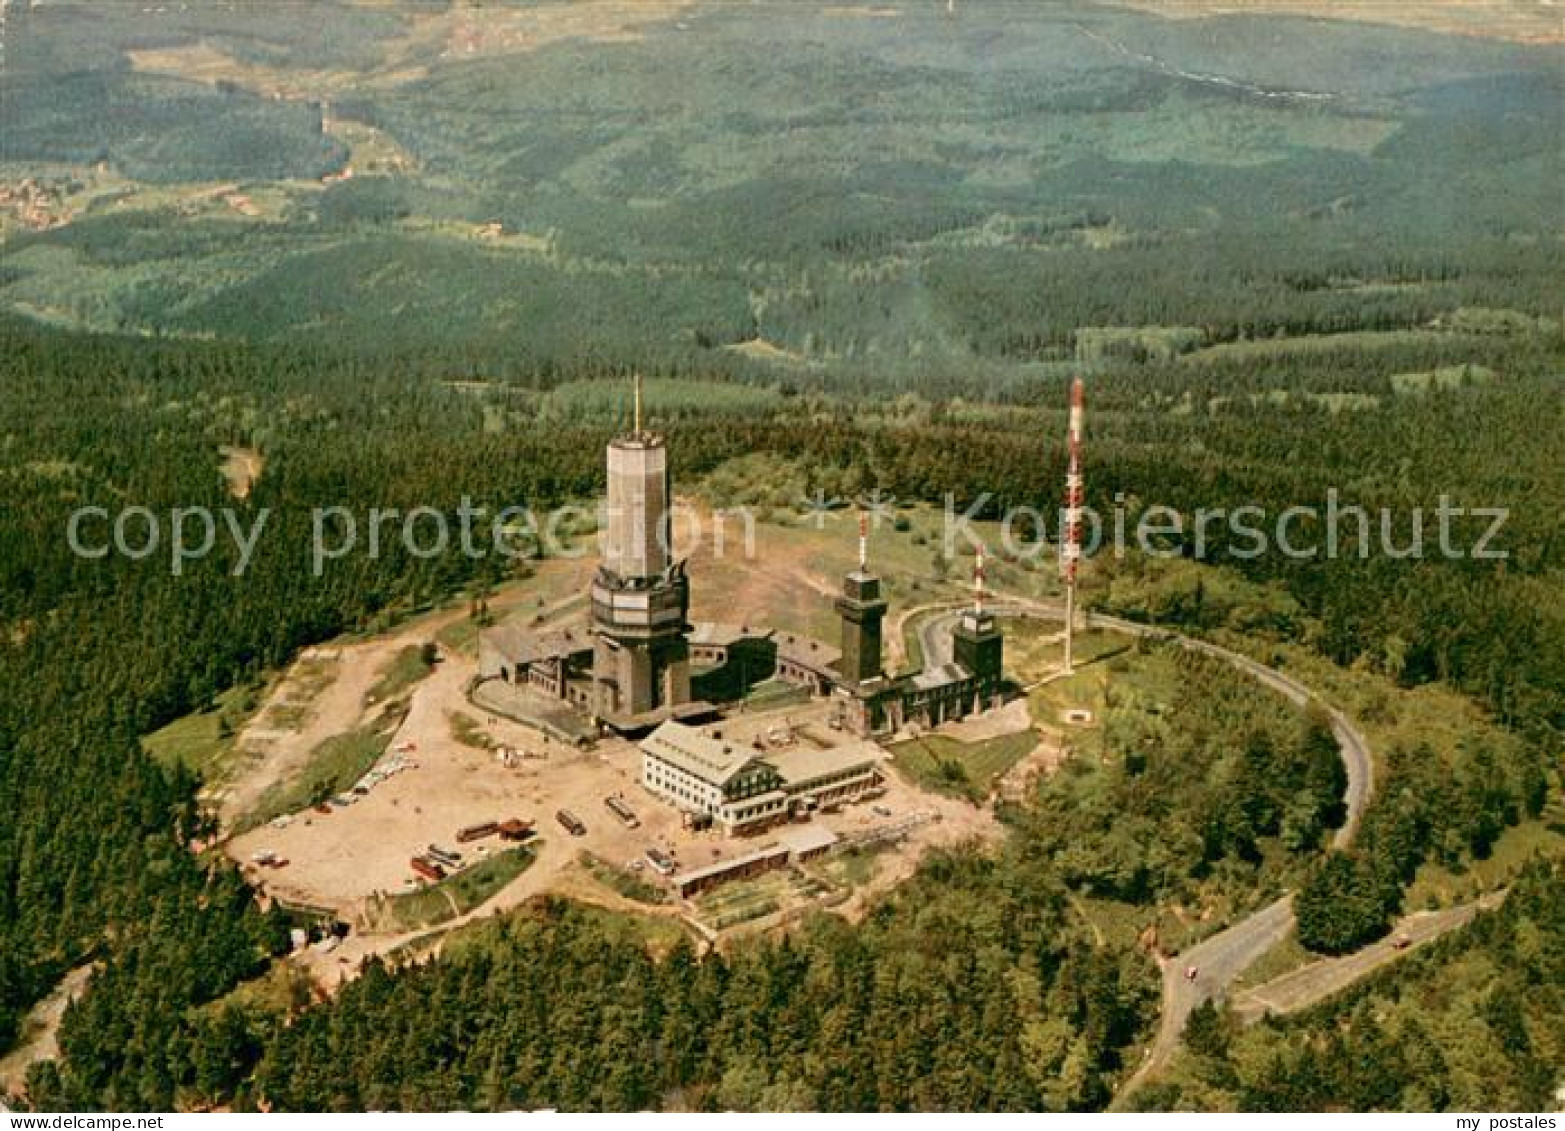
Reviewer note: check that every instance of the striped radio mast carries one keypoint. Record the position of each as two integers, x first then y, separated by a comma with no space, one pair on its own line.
1071,550
863,541
978,581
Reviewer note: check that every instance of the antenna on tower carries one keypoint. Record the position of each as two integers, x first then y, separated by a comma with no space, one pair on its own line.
863,541
637,380
978,581
1071,550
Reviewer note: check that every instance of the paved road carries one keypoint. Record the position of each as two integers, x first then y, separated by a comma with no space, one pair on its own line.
1220,959
1217,962
934,634
1301,988
1355,750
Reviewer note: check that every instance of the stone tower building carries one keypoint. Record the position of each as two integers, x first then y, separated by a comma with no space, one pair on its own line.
861,608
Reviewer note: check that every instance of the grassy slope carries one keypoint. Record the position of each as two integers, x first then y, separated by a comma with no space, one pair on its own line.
461,892
961,769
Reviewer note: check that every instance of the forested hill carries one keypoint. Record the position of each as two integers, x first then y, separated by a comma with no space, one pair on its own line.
841,191
1423,1036
94,865
865,250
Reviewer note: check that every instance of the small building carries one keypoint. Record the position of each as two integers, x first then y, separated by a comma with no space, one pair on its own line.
796,845
806,663
815,778
807,842
871,701
713,644
768,859
555,662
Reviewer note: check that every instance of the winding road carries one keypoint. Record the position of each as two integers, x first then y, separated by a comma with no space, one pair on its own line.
1218,960
934,634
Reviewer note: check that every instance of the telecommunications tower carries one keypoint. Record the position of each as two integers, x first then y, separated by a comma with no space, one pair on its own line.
1070,551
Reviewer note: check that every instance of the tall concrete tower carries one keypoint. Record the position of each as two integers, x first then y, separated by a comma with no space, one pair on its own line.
861,608
640,596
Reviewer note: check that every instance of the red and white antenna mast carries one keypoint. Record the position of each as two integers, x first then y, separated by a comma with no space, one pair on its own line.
978,581
863,541
1071,550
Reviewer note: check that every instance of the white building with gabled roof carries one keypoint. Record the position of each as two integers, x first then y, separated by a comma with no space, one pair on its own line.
744,789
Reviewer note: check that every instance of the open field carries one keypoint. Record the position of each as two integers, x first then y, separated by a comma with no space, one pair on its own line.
1436,886
241,467
411,664
333,767
623,880
323,698
331,691
205,742
1283,958
1079,700
1035,649
1306,345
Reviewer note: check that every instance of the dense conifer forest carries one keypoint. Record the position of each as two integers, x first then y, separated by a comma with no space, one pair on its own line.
876,262
100,652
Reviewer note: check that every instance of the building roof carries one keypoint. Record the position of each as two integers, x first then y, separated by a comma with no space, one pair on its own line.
975,623
522,645
942,676
724,635
720,867
807,652
802,764
713,760
807,838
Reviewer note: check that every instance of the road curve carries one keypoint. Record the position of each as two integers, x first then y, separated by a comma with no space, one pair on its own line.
1355,750
1219,960
934,635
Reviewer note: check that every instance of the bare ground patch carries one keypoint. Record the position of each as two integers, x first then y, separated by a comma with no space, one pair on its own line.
40,1030
241,468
